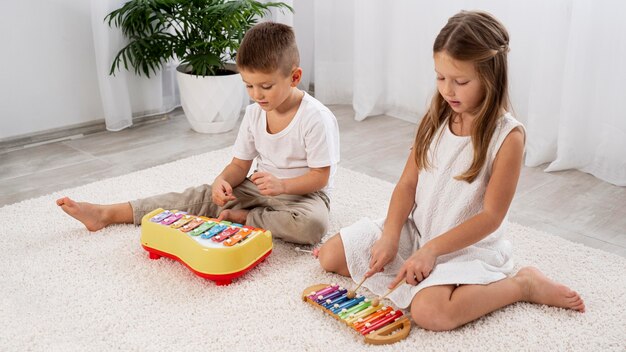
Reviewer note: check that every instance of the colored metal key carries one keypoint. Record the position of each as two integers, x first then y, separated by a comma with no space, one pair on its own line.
319,295
226,234
173,218
214,231
202,228
379,323
161,216
192,225
237,237
182,221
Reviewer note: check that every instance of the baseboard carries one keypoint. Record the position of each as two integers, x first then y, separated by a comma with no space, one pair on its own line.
66,133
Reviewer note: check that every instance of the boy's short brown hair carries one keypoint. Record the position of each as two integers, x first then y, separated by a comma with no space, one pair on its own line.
268,47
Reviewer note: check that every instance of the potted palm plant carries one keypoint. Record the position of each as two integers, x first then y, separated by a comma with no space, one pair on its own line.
204,36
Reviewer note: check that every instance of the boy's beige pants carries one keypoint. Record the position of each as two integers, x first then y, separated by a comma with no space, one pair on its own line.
293,218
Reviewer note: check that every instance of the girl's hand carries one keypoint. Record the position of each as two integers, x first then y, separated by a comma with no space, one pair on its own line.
268,184
416,268
221,192
383,252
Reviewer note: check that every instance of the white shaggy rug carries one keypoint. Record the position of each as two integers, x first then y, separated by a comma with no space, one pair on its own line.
65,289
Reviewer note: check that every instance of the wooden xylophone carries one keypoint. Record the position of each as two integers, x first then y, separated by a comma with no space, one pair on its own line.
217,250
380,325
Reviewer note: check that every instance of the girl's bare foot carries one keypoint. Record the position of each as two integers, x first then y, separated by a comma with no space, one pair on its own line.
538,288
238,216
91,215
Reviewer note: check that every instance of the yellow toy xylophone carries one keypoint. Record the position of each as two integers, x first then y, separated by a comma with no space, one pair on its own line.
379,324
216,250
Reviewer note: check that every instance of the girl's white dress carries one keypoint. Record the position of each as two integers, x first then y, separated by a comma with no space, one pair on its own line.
441,203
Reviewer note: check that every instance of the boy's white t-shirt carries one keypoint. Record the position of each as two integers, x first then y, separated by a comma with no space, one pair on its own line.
311,140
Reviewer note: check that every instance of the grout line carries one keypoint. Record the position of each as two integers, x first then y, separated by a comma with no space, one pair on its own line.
37,144
83,129
68,138
556,233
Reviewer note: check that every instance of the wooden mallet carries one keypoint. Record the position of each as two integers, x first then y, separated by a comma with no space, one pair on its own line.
351,294
376,301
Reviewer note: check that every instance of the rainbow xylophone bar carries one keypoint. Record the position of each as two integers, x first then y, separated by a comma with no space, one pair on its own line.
379,325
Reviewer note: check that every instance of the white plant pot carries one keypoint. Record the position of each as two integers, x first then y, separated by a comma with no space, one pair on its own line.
212,104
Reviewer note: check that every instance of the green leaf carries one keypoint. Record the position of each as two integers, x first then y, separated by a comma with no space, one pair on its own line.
201,33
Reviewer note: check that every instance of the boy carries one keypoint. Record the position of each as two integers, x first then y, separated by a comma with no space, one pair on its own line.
294,138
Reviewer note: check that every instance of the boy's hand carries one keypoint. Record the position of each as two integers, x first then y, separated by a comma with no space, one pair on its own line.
416,268
383,251
268,184
221,192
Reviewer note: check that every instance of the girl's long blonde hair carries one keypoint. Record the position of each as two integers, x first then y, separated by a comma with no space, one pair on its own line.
479,38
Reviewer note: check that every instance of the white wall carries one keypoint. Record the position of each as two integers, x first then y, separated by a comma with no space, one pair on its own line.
48,74
303,25
47,66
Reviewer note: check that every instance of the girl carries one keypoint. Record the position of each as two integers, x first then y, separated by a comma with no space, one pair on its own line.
443,233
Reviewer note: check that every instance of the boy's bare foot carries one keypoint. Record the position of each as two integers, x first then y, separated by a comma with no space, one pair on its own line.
538,288
91,215
238,216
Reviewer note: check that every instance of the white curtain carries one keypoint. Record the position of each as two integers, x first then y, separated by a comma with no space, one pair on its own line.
566,70
125,94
